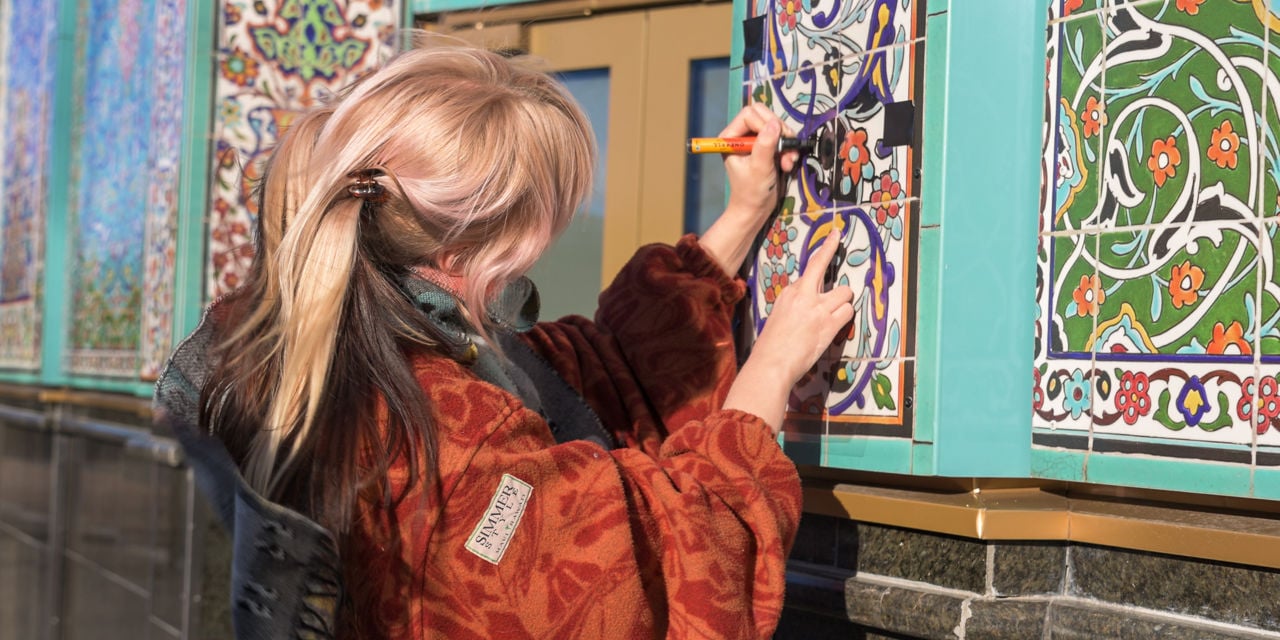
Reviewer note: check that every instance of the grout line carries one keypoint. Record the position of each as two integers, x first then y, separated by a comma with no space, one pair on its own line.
1204,224
991,570
1260,157
966,612
853,56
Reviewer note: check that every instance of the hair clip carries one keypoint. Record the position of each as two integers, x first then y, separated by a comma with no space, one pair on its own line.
365,185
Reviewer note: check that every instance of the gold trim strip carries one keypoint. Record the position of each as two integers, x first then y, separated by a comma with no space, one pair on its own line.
1034,513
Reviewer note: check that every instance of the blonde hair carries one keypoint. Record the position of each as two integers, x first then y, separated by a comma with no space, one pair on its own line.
484,160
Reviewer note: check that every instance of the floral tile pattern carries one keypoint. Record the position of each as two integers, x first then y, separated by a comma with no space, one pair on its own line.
128,113
1154,282
820,33
1077,121
26,113
274,58
848,74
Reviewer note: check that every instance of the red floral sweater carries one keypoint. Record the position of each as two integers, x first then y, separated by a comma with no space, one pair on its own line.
683,532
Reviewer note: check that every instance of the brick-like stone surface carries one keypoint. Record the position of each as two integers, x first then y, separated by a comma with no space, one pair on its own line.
944,561
1080,622
933,616
1030,568
1211,590
847,540
816,589
992,619
816,539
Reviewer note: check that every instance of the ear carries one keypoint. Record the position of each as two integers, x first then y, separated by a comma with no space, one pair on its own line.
449,262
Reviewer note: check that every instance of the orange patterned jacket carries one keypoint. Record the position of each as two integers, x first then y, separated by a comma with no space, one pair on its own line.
683,532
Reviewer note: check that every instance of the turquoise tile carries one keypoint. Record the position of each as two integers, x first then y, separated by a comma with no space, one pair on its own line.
935,119
1266,483
1057,464
802,449
933,7
985,324
735,48
1169,474
887,455
929,265
922,459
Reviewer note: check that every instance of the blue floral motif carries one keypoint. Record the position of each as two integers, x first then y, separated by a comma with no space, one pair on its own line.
1076,394
1193,401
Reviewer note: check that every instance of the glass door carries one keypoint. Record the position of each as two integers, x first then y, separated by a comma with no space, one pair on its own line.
687,76
649,80
596,59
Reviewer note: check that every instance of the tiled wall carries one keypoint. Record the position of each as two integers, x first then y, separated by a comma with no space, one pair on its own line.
1158,300
849,75
105,114
274,58
29,60
126,145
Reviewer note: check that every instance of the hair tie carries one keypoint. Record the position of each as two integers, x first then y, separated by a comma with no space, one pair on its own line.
365,185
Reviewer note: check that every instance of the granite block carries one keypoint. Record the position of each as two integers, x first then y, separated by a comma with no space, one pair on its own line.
816,588
847,545
1005,620
1080,622
1028,568
945,561
816,539
1213,590
922,614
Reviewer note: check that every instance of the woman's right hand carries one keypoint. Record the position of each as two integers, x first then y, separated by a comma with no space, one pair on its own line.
804,322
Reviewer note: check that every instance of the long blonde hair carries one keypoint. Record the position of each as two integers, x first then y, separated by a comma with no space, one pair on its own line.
483,160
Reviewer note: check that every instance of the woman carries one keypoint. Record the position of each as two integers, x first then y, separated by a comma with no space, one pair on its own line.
485,476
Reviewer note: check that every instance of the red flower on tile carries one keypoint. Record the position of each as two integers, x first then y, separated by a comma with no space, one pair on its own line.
1222,149
1132,398
853,153
775,245
1089,296
1263,410
1093,117
1225,337
1190,7
787,14
1037,395
1071,5
777,282
1164,160
1184,284
886,196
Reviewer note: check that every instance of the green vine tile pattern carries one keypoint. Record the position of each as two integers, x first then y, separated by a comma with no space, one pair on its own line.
1165,304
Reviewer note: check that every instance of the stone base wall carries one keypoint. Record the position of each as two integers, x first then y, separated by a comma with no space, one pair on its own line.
848,579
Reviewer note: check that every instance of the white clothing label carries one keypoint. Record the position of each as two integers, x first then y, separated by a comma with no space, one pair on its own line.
493,532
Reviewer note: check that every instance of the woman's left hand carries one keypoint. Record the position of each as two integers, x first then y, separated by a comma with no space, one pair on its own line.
754,179
754,185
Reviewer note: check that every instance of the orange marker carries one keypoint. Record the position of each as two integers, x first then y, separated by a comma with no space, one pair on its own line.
743,145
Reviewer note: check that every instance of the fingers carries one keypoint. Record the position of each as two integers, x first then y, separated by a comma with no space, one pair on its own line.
767,142
838,299
752,119
788,160
821,259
